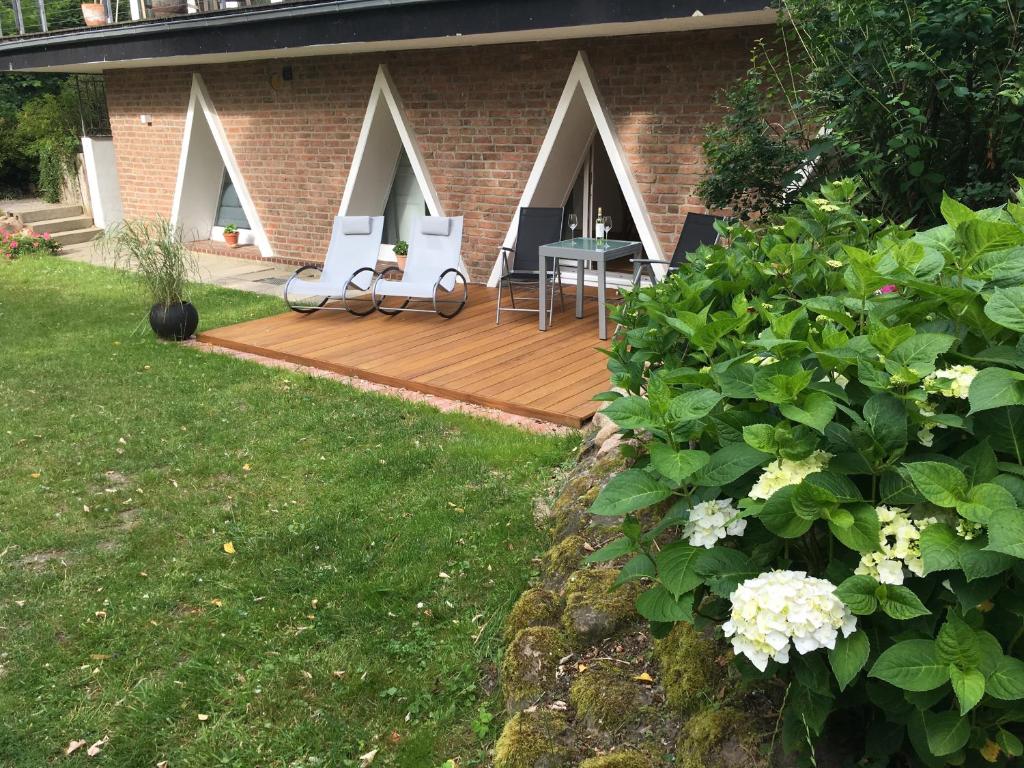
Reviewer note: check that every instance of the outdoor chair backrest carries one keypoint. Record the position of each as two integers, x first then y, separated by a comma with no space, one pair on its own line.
353,248
432,254
537,227
698,230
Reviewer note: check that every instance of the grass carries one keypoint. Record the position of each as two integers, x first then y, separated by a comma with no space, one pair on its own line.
377,546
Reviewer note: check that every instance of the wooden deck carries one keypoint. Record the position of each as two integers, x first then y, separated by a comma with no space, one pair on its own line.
512,367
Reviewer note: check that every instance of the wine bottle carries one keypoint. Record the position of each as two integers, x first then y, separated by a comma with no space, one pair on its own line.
599,226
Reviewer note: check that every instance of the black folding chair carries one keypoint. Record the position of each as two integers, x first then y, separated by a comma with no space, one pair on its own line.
521,265
698,230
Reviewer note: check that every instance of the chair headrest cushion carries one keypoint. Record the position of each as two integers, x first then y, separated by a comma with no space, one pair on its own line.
355,225
436,225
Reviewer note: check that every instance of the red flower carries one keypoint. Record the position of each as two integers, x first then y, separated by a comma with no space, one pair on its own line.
885,289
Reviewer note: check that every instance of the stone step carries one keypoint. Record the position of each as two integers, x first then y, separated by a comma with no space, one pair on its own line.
74,236
53,226
49,214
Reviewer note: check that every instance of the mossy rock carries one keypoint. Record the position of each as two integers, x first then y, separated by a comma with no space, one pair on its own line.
625,759
535,608
607,697
571,506
529,665
689,672
721,738
562,560
533,740
592,611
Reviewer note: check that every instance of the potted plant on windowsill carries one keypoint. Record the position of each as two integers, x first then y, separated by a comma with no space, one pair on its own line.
231,235
94,14
153,249
401,251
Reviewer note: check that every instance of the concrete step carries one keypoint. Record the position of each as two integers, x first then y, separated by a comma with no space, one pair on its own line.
74,236
51,213
53,226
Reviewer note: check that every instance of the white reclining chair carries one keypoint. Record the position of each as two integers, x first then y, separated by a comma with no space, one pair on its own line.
431,271
348,271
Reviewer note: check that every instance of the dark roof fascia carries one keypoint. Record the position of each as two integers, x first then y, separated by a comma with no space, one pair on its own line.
332,22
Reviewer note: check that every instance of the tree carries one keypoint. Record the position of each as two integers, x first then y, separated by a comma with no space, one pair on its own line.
914,97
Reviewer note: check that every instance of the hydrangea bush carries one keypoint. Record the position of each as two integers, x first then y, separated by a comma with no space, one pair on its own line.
833,471
18,244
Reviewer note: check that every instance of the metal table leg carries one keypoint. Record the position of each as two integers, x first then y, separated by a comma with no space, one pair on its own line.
602,320
542,316
581,271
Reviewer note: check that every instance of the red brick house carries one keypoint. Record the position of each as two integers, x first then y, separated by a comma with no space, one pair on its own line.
277,117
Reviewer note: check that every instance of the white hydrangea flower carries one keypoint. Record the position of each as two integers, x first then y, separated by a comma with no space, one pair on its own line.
968,530
780,610
925,436
711,521
783,472
951,382
899,547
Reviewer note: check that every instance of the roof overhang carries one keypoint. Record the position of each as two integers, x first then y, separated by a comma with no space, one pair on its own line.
329,27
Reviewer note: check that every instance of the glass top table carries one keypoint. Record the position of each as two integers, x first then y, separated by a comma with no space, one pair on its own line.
584,250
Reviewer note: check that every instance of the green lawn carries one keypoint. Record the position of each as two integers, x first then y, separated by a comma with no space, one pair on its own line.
126,464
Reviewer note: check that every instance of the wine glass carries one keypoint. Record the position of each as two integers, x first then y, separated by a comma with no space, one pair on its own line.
573,223
607,226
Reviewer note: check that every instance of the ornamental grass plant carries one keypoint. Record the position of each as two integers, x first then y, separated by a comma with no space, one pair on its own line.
833,472
154,249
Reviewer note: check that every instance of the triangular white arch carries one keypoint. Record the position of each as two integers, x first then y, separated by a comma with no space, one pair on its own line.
366,187
579,96
197,191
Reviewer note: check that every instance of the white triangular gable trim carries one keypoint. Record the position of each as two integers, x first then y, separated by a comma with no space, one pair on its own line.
385,93
201,106
581,77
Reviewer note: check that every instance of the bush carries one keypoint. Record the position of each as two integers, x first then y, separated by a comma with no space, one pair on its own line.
26,244
835,412
914,97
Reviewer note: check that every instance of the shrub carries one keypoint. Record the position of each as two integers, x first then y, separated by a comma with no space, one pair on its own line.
915,97
835,413
26,244
154,249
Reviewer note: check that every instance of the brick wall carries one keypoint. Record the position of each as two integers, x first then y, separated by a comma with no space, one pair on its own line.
480,115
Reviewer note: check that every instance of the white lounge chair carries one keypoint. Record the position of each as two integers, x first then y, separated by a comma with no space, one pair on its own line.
431,270
348,271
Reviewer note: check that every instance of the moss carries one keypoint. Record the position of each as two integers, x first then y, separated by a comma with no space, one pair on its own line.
624,759
535,608
720,738
606,696
559,562
689,671
592,611
530,663
532,740
570,508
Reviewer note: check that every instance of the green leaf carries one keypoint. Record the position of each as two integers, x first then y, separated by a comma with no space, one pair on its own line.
849,657
901,603
918,353
996,388
630,412
816,410
969,687
1006,533
773,387
863,534
957,643
677,568
778,516
986,501
942,484
694,405
955,212
813,502
1005,430
611,551
1006,308
658,604
940,548
1007,681
629,491
979,563
676,465
1009,743
947,732
761,437
639,567
886,339
886,417
860,594
912,665
723,569
729,464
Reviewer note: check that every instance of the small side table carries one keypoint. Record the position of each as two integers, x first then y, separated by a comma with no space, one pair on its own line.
583,250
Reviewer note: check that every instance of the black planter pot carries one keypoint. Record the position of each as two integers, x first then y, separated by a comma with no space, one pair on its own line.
174,322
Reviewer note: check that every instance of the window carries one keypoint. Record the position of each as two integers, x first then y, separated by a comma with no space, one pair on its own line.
405,203
229,209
